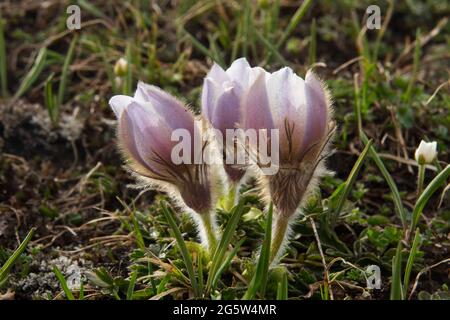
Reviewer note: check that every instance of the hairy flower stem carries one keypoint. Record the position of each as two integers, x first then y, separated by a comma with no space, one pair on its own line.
278,237
210,232
420,179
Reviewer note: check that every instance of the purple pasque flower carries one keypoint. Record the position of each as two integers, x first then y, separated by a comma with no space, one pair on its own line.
222,96
145,126
301,112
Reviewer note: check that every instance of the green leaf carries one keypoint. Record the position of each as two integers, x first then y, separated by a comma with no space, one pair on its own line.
349,183
34,72
259,280
396,282
130,290
169,215
221,249
438,181
412,254
282,289
4,271
63,282
65,71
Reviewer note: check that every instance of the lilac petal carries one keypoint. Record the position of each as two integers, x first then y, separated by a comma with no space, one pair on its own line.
240,72
285,91
227,111
217,74
150,135
168,107
257,114
317,110
118,103
210,92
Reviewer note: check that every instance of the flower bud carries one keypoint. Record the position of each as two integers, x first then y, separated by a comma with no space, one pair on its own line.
222,96
146,123
301,112
121,67
426,152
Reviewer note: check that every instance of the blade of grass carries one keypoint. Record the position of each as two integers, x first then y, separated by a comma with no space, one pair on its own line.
137,233
313,43
412,255
65,71
407,96
259,280
376,158
438,181
131,285
169,215
129,77
4,271
200,47
34,72
221,249
282,288
349,183
226,264
295,20
50,100
200,270
396,282
3,64
63,283
272,49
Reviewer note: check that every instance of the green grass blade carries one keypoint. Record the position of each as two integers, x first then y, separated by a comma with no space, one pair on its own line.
438,181
295,20
200,270
349,183
226,264
137,233
376,158
4,271
313,43
50,100
259,280
81,294
33,74
63,283
396,282
65,71
412,255
128,88
221,249
3,64
415,69
282,289
169,215
131,285
272,49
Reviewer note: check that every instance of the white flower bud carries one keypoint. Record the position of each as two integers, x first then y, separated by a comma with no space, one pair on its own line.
426,152
121,67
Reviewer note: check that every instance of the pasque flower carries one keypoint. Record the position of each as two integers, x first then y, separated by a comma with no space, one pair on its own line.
145,126
222,96
301,112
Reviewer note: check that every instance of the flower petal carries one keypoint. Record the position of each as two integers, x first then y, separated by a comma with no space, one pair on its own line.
257,114
227,110
167,106
118,103
317,110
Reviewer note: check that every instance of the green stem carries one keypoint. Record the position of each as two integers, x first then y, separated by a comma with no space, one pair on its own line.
211,235
420,179
279,235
